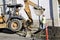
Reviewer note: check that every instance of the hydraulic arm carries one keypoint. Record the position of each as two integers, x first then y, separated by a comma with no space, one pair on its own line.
27,10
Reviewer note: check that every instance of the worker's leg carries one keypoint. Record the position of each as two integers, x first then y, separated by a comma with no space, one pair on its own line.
43,27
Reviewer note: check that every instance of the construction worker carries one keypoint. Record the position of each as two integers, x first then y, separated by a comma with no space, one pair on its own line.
43,22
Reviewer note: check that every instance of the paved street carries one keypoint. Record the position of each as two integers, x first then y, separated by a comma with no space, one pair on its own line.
5,35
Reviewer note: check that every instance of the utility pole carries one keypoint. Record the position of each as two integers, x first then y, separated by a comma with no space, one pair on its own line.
39,15
52,17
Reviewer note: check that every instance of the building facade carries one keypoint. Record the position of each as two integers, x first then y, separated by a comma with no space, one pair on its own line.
55,12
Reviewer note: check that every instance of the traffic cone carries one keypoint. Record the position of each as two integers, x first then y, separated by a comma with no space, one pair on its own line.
46,32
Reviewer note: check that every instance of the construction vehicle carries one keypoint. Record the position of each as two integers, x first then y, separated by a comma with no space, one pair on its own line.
12,21
15,22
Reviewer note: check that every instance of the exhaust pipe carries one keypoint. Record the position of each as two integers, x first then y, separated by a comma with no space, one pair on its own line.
4,6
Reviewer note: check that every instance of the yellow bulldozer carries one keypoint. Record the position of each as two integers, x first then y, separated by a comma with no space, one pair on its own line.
9,19
15,22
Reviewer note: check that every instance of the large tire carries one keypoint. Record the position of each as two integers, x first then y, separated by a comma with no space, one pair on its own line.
16,26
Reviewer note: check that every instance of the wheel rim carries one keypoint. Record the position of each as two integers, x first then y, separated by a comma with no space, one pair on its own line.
14,25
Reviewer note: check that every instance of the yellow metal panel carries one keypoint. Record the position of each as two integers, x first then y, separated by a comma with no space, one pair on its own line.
1,19
4,25
27,9
32,4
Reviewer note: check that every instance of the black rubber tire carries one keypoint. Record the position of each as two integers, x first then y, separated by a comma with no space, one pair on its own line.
19,25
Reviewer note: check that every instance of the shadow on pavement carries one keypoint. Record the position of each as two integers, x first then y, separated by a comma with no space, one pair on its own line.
7,31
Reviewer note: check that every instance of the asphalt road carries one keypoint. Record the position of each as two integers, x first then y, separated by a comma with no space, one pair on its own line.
8,35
